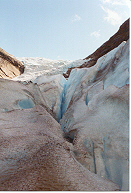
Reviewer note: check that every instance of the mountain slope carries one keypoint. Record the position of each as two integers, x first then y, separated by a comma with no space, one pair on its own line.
113,42
10,67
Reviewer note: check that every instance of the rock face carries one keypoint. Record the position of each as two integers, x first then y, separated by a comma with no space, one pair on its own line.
58,134
10,67
113,42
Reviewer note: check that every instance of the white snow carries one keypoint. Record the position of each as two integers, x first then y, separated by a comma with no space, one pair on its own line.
35,67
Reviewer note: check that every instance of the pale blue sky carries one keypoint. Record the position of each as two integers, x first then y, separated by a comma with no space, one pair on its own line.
59,29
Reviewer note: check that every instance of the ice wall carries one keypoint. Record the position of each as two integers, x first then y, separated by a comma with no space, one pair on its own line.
52,89
112,68
96,111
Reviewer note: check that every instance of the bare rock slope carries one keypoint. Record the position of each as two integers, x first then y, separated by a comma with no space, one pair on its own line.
113,42
10,67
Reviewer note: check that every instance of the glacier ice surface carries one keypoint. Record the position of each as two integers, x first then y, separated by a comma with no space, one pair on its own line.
71,100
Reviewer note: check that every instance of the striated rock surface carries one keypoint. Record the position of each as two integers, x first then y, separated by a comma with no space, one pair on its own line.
10,67
113,42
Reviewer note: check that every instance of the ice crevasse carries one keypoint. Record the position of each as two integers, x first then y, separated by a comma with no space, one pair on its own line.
111,69
96,115
92,109
62,91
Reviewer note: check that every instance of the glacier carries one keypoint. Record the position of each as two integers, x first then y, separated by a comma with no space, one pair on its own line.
45,72
41,71
64,125
91,108
96,114
37,66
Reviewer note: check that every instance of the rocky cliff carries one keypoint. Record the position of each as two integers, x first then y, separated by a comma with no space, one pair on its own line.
67,134
113,42
10,67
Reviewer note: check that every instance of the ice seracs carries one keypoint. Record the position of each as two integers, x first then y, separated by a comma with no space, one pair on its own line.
35,67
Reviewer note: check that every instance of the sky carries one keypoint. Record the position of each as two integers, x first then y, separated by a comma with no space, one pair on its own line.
59,29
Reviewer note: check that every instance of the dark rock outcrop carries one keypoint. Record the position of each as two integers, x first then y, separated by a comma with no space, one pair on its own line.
10,67
121,35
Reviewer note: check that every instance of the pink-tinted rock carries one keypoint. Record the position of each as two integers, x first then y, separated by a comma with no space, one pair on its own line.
10,67
121,35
